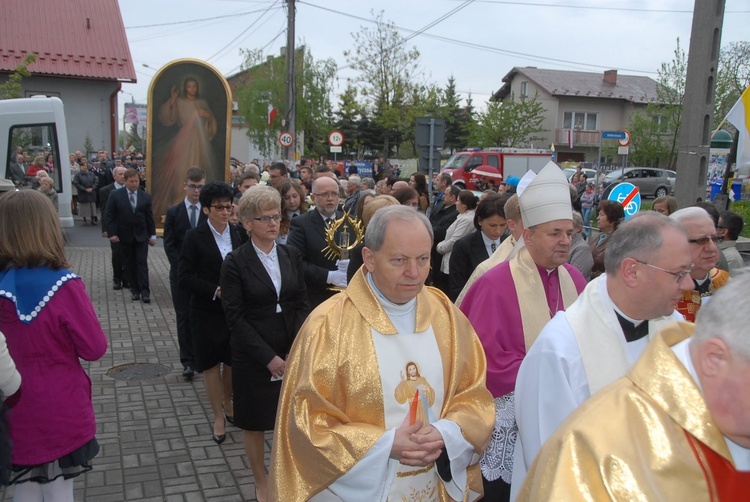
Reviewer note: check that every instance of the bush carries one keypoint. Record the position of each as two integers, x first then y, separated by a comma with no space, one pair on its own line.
743,209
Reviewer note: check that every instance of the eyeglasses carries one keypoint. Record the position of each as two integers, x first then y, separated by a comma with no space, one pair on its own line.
225,207
327,195
702,241
193,186
679,275
267,219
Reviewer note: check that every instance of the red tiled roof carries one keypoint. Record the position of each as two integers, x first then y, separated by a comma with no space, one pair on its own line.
75,38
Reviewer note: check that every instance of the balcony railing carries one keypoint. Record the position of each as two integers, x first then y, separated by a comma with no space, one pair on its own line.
580,138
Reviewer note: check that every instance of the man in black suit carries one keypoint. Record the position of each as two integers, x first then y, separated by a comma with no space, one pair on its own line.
441,220
442,181
130,221
104,193
17,171
180,218
307,234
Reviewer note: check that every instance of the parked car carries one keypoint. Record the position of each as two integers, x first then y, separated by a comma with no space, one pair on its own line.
672,176
590,173
651,182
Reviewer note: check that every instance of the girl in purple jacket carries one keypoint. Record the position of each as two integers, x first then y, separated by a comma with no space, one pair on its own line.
49,323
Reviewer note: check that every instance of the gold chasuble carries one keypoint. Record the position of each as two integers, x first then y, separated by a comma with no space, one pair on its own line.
331,410
648,436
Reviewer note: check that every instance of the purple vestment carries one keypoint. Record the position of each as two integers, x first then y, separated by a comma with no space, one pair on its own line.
491,305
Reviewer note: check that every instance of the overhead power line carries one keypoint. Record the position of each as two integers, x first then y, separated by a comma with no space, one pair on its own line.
497,50
598,7
246,30
189,21
418,32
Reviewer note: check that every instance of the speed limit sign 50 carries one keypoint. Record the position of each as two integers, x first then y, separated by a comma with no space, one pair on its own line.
286,139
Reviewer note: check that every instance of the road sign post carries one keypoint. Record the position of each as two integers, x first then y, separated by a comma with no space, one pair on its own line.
336,140
286,139
620,136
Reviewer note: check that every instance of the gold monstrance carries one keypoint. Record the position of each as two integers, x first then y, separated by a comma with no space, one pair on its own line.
351,233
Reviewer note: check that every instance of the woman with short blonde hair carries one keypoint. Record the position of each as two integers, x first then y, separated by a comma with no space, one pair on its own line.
265,304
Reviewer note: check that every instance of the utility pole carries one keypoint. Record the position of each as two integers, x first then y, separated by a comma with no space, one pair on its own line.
291,102
698,102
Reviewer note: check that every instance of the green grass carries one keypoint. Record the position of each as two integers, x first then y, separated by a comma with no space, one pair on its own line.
743,209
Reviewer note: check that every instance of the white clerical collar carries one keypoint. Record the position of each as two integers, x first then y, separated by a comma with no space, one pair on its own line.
740,454
702,281
389,306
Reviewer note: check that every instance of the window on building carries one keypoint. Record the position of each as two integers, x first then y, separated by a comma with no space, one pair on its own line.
581,121
39,140
661,122
525,89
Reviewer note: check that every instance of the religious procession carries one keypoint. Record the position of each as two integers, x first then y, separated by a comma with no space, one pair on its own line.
228,287
329,321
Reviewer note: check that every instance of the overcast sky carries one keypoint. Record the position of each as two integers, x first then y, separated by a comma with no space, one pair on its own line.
480,42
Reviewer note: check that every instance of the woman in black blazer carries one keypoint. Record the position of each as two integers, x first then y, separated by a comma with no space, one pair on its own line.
471,250
265,303
203,252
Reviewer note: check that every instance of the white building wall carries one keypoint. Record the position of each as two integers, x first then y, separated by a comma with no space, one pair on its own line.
86,102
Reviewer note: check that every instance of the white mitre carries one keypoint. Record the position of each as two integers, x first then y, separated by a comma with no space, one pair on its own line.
546,198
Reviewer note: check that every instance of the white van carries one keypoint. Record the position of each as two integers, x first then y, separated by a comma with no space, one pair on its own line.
37,125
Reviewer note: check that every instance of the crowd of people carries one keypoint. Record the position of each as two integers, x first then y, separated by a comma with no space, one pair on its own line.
543,347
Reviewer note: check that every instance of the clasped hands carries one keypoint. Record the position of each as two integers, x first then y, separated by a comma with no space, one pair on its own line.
417,446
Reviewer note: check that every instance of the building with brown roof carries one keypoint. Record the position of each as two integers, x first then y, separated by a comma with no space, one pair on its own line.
82,57
581,102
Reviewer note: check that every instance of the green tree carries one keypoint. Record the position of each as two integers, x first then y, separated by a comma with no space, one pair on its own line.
133,139
510,123
456,118
88,146
732,77
11,88
667,110
347,121
647,146
423,101
387,72
267,85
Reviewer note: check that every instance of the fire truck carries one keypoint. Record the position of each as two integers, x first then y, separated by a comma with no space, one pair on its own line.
509,161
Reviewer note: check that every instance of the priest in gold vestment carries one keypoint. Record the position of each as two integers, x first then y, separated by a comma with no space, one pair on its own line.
702,236
341,431
677,427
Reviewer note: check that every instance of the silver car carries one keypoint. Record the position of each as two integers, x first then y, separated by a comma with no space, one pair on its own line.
649,180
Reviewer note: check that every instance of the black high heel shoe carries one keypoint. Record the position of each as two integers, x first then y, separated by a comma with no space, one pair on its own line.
222,437
228,418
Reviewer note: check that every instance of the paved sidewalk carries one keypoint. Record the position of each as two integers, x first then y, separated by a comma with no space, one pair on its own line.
155,435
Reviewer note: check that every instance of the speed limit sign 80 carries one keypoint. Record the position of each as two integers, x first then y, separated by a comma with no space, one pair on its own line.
286,139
